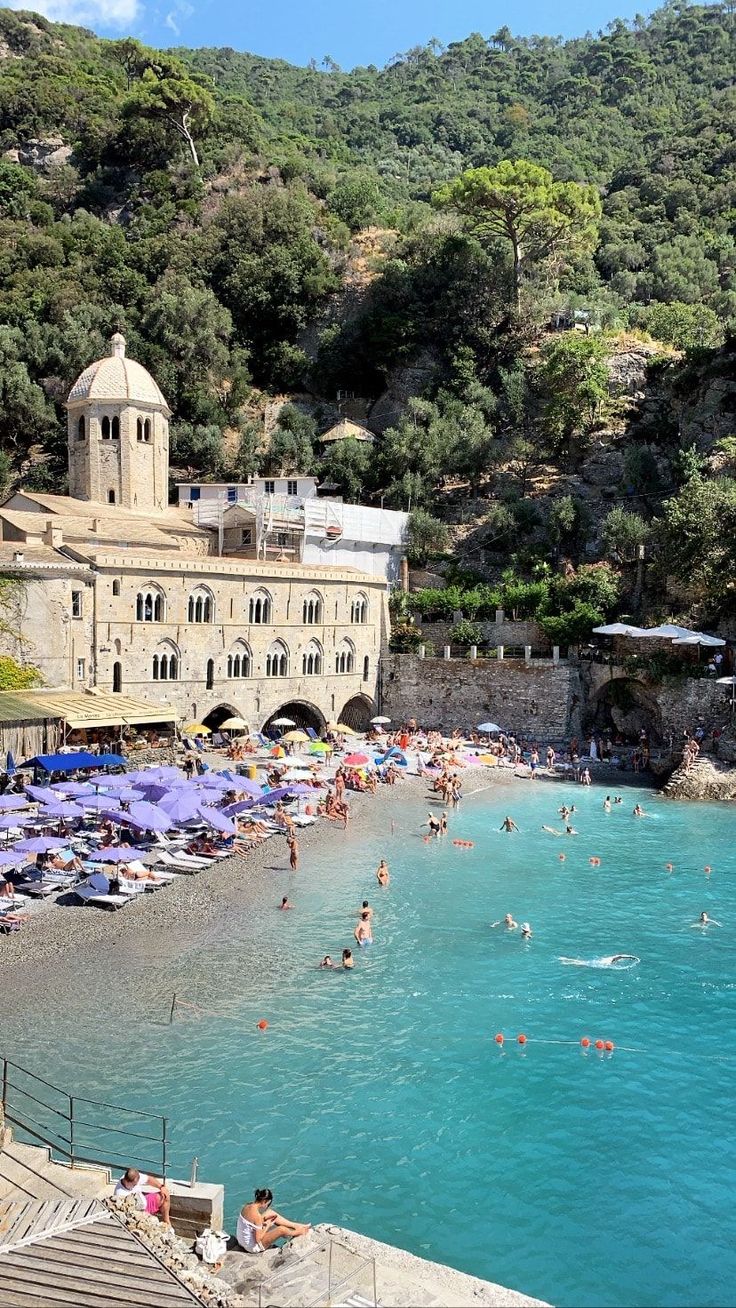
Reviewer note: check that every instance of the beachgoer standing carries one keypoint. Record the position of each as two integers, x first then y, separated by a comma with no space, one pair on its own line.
362,932
293,853
382,873
508,824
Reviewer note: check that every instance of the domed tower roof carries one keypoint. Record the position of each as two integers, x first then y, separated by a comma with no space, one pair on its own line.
115,379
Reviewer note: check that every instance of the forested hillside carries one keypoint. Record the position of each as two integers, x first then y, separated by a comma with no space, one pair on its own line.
410,235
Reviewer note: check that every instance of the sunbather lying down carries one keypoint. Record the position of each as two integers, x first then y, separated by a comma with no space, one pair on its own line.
137,871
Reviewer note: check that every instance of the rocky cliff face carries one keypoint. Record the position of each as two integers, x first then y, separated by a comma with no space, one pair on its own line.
705,779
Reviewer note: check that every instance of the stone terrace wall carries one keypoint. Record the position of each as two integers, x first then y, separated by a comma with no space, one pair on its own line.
539,699
514,635
691,702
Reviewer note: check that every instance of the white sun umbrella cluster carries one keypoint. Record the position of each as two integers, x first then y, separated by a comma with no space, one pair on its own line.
665,631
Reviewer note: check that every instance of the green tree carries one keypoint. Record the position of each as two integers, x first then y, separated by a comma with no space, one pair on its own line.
25,414
574,380
623,534
697,541
521,202
348,465
427,535
683,325
291,447
166,93
355,200
17,676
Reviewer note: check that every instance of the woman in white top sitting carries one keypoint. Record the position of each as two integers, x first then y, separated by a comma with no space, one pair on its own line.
259,1226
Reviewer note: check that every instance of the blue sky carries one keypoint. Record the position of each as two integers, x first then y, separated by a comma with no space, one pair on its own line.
350,33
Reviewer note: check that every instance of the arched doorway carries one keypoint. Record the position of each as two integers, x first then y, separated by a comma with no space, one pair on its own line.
627,707
357,713
217,716
302,714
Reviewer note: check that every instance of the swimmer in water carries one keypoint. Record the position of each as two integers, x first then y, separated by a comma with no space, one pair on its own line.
365,909
508,824
382,873
564,812
705,921
433,824
570,831
526,931
618,800
347,958
607,804
507,922
552,831
362,932
285,903
327,962
638,811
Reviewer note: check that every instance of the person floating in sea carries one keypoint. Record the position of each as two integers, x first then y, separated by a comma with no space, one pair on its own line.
638,811
382,873
570,831
506,921
285,903
363,933
326,962
526,931
259,1226
347,958
508,824
705,921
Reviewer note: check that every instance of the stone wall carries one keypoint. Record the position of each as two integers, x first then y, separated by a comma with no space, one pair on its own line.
513,635
689,702
539,699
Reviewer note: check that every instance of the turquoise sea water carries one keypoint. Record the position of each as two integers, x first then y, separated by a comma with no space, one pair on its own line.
378,1099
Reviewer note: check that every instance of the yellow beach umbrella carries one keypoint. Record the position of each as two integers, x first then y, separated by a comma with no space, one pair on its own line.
345,729
296,737
234,724
196,729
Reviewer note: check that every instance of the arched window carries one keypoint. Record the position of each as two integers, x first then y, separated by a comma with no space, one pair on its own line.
366,668
117,678
201,607
81,429
277,660
345,657
147,430
259,608
166,662
312,609
239,660
312,659
210,674
105,428
359,608
115,429
111,497
116,588
139,429
149,604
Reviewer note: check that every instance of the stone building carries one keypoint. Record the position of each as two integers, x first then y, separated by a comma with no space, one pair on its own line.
115,590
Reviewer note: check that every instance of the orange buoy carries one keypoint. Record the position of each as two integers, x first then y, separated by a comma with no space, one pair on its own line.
707,867
562,857
499,1039
263,1025
471,845
594,862
609,1046
599,1044
585,1042
455,842
521,1039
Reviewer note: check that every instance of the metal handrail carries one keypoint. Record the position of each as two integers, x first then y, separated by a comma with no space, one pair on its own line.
16,1098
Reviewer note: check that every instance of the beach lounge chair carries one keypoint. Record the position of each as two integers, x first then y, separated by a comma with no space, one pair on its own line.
96,890
312,733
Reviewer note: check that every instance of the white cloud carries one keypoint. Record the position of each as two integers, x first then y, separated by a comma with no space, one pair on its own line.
182,9
90,13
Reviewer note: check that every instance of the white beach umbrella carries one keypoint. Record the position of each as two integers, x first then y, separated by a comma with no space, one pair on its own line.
619,629
283,722
380,722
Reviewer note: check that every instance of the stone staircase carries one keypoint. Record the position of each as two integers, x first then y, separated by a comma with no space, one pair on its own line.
703,779
27,1172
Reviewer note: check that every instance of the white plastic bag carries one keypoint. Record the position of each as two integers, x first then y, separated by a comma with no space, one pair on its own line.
211,1246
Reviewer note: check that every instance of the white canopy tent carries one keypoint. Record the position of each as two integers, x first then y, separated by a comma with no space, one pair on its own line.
666,631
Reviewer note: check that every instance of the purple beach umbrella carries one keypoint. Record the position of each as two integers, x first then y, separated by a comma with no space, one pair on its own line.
215,781
113,855
54,811
41,794
8,821
214,818
40,844
149,816
11,802
10,857
72,788
181,805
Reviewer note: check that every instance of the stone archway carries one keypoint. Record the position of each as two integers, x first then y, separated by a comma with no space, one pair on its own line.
220,714
302,714
627,707
357,713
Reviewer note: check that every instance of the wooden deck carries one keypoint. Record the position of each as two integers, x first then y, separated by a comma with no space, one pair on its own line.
78,1255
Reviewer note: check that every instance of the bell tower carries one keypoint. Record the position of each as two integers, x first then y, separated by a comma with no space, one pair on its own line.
118,434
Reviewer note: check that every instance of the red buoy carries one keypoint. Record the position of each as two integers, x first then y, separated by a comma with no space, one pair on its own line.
599,1044
609,1046
263,1025
499,1039
521,1039
585,1042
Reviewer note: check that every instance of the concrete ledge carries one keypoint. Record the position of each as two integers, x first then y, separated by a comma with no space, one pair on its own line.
195,1207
